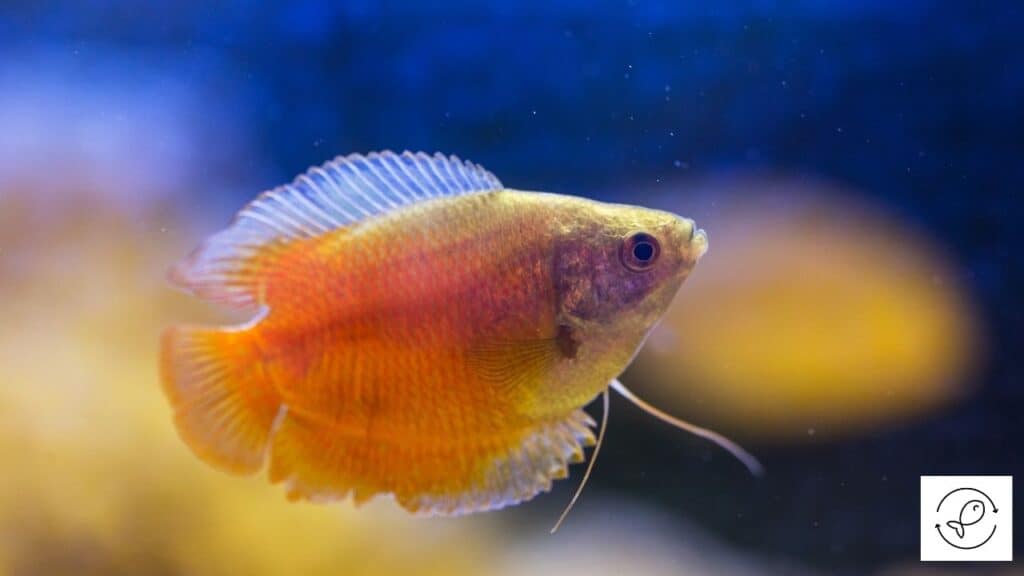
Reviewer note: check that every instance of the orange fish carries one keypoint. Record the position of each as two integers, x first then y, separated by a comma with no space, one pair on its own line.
420,331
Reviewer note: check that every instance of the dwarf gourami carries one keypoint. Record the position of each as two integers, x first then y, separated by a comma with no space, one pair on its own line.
419,330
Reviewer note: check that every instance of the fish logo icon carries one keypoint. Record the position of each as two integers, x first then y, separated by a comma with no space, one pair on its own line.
972,512
966,518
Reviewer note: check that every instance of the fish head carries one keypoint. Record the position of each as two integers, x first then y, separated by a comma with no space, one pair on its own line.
972,512
617,269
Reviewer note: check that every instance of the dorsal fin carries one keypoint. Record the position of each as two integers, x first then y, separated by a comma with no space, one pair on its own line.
344,191
356,187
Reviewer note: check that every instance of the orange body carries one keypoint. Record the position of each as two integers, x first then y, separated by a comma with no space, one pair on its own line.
368,338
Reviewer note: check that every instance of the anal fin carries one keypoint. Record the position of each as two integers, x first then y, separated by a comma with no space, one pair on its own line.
526,469
320,461
316,460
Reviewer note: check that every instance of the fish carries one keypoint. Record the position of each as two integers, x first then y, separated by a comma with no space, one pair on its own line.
970,514
419,331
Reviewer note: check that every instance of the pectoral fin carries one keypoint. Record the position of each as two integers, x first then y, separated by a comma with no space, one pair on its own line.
510,363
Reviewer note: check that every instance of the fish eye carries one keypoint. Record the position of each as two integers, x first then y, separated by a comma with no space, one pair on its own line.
640,251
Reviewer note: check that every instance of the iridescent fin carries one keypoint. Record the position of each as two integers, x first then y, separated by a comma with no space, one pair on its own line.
230,265
224,405
321,462
733,448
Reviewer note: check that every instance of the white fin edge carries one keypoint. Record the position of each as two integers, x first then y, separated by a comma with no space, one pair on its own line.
353,188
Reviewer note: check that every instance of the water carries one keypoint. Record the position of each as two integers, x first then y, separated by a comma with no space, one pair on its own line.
131,133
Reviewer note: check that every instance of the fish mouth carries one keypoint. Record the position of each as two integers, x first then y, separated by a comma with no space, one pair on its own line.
693,240
698,241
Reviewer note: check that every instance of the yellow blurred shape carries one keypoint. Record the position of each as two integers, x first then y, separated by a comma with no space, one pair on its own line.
811,316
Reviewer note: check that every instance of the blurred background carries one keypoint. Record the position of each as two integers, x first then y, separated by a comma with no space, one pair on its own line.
856,323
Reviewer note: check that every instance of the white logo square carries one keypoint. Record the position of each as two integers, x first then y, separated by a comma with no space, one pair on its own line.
966,518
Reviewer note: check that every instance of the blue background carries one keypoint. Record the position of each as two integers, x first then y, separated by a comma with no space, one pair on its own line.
916,104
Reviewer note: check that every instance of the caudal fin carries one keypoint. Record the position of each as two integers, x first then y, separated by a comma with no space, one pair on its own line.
957,527
224,403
